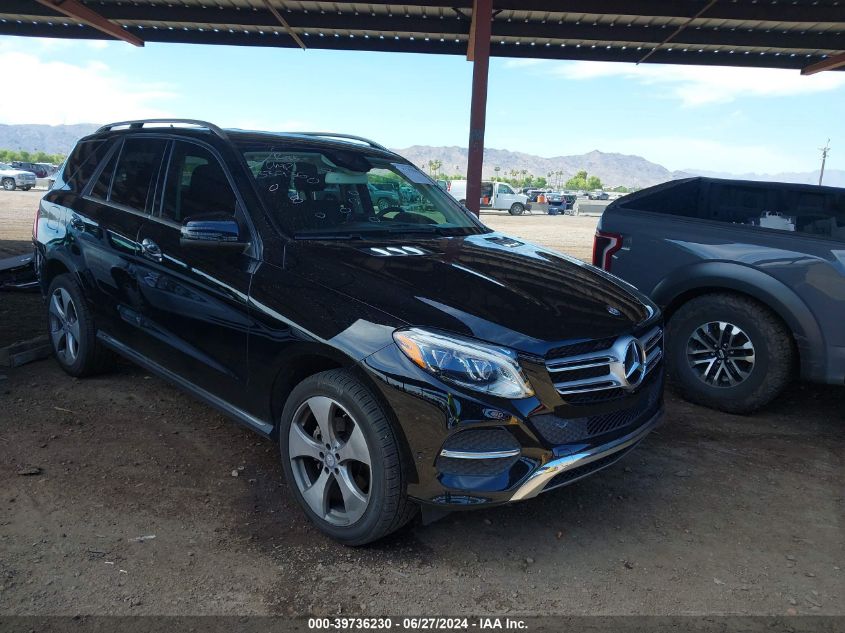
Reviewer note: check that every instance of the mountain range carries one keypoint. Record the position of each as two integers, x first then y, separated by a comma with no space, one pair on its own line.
613,169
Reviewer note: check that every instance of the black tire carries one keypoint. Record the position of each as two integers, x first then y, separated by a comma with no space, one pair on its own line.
91,357
382,204
774,353
388,507
517,208
26,188
462,202
9,184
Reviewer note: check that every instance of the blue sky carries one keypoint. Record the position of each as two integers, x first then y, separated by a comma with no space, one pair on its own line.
722,119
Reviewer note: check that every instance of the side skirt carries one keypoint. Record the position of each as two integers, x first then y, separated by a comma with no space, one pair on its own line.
239,415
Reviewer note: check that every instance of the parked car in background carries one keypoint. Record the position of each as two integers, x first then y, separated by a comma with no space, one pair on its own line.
48,169
494,195
598,194
36,168
385,195
751,276
401,358
12,178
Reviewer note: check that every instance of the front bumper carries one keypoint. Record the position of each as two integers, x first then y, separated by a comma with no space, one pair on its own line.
552,474
24,182
469,450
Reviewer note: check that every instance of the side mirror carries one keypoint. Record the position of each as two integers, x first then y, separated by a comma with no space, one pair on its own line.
215,230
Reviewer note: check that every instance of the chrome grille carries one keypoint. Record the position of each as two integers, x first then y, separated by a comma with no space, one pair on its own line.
624,363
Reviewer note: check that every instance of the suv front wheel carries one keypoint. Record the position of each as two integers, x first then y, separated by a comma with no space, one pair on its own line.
342,460
728,352
9,184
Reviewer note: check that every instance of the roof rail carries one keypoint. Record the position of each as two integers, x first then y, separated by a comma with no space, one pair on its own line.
351,137
140,123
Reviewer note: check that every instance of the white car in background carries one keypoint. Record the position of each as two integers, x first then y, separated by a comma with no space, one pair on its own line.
11,178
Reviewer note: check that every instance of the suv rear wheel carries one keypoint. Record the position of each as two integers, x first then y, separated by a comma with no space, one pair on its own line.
71,329
342,460
728,352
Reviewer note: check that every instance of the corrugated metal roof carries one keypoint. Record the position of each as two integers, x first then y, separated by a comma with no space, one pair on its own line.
766,33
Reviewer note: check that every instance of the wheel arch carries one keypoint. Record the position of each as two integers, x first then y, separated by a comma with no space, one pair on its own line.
694,281
308,359
50,269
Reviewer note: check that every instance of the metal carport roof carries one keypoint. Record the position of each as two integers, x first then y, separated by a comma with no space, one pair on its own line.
759,33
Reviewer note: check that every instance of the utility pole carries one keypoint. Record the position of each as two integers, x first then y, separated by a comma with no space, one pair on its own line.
824,150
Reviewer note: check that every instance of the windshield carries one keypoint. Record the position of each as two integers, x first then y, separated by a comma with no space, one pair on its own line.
5,166
343,194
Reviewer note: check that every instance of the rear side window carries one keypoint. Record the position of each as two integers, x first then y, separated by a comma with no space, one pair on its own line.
81,165
780,206
819,213
101,186
136,172
196,184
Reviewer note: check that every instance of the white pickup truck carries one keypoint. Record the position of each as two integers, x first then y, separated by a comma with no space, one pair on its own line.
494,195
11,178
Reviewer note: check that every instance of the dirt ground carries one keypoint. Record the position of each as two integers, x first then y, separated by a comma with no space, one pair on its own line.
132,508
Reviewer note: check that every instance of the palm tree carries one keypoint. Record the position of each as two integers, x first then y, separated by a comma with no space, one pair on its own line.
437,164
497,169
523,172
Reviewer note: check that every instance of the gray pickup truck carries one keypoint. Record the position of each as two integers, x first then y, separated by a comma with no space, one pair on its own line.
751,276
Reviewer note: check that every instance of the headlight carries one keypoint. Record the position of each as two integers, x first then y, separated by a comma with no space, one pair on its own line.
465,362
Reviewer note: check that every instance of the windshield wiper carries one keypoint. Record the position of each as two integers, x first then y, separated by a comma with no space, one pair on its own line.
328,235
391,231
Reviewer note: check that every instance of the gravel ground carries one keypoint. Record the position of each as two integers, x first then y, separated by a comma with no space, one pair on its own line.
117,496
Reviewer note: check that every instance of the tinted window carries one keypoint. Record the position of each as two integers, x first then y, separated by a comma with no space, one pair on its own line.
780,206
136,172
196,184
101,186
81,165
820,213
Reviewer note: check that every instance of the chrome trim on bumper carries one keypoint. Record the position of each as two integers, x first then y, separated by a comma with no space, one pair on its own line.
479,455
538,480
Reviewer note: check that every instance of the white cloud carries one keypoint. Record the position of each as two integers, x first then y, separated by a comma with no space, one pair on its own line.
700,85
54,92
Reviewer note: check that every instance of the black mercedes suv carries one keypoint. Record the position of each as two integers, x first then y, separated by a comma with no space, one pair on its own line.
402,355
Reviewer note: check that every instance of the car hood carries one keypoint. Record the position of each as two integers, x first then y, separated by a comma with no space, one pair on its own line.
491,287
14,172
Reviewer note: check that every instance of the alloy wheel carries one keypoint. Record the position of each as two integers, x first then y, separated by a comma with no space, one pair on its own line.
64,326
330,460
721,354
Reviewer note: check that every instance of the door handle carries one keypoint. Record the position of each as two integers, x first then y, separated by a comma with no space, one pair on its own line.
150,250
77,223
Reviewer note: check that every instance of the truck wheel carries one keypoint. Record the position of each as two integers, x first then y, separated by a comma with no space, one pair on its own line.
71,330
9,184
342,459
517,208
27,188
382,204
728,352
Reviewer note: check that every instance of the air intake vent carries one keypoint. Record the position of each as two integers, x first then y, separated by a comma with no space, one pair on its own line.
396,251
505,241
